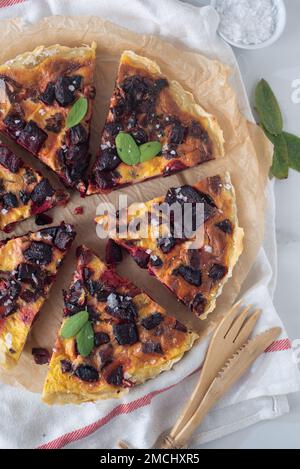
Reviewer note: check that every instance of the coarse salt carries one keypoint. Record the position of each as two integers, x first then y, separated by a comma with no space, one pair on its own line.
247,22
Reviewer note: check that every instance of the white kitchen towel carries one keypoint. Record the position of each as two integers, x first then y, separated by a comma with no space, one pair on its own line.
152,408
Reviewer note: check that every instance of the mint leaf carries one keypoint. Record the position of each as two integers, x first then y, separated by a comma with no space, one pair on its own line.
268,108
73,324
77,112
149,150
85,340
280,165
293,145
127,149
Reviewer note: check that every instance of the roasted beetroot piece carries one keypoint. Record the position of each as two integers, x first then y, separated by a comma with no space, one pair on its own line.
31,274
48,96
150,322
32,137
177,134
166,244
198,304
139,136
217,272
8,310
94,315
78,134
108,160
43,219
78,210
155,261
180,327
141,257
188,194
115,377
9,159
74,299
41,356
14,123
29,296
64,236
38,253
55,123
87,373
105,180
225,226
9,292
101,338
74,161
65,88
29,176
190,275
41,191
106,355
126,333
152,347
9,201
97,289
174,167
24,196
121,307
113,253
66,366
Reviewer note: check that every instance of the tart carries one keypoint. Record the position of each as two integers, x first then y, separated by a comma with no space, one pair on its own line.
37,92
133,339
28,267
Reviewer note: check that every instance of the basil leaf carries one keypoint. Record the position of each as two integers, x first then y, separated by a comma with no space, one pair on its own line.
73,324
149,150
293,145
127,149
85,340
77,112
280,165
268,108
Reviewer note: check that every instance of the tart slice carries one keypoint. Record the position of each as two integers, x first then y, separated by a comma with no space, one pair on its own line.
128,337
28,267
166,130
195,273
38,90
24,192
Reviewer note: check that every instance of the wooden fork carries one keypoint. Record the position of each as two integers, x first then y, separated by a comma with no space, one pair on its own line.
232,332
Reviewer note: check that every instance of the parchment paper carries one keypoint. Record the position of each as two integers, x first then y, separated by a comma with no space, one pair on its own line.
248,158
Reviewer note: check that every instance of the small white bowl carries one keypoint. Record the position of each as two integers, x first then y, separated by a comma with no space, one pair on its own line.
281,22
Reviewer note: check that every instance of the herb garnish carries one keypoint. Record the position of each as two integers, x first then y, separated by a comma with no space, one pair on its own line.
77,112
80,327
131,154
286,146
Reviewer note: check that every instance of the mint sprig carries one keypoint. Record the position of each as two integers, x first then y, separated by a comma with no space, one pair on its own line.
80,327
286,146
131,154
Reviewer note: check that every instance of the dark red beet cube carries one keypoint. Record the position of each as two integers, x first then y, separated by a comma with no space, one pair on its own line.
41,356
113,253
43,219
32,137
9,159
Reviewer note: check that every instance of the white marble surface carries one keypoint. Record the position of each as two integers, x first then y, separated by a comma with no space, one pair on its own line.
280,66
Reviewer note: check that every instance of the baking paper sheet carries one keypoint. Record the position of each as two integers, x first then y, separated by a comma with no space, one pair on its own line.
248,158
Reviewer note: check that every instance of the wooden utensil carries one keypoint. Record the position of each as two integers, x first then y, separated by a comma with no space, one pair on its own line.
232,332
235,367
